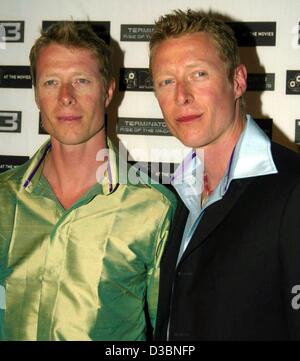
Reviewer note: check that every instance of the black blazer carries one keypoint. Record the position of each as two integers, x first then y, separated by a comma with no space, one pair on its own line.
236,277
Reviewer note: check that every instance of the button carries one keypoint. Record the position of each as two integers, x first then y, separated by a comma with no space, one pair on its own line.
51,272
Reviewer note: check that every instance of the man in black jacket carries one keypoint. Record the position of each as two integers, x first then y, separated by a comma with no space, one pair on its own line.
231,270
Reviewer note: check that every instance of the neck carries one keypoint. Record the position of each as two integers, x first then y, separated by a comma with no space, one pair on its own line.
71,169
217,155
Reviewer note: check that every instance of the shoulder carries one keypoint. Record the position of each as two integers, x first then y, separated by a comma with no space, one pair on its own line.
153,199
279,186
142,183
157,194
286,160
164,192
13,175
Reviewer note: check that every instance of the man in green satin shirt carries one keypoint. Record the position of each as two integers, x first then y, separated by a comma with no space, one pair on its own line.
79,253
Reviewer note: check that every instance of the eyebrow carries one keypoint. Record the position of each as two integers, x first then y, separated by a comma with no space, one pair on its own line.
76,73
199,63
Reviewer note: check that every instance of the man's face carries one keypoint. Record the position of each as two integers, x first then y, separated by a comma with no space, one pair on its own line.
198,101
70,93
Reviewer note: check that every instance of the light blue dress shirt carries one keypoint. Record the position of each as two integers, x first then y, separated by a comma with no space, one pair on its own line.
251,157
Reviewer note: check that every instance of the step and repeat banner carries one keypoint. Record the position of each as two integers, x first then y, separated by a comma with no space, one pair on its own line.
268,33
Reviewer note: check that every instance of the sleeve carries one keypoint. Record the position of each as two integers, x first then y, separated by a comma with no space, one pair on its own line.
290,262
153,273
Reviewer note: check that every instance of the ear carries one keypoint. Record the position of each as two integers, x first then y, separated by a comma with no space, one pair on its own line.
240,81
110,93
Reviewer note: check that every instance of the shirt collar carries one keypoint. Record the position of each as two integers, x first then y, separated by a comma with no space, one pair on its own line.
188,180
107,178
34,171
251,157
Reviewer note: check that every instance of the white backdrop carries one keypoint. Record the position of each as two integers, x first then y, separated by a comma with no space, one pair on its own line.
277,59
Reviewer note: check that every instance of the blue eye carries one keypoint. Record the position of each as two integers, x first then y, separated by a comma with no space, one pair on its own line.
50,82
166,82
82,81
199,74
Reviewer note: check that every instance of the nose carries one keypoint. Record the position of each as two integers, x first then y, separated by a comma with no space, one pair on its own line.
183,94
66,94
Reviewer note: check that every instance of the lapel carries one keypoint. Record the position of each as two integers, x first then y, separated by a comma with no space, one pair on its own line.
169,258
215,214
168,271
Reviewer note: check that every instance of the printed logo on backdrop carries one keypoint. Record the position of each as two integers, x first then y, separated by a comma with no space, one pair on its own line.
255,33
143,126
10,121
14,76
293,82
101,28
135,79
136,32
295,42
266,125
11,32
11,161
260,82
297,131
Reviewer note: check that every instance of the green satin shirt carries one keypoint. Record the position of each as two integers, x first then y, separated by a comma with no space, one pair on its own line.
82,273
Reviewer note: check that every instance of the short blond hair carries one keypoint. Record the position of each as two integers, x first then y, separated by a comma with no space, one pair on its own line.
179,23
74,35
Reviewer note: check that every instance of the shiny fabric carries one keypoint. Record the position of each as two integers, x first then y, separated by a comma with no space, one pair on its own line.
81,273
